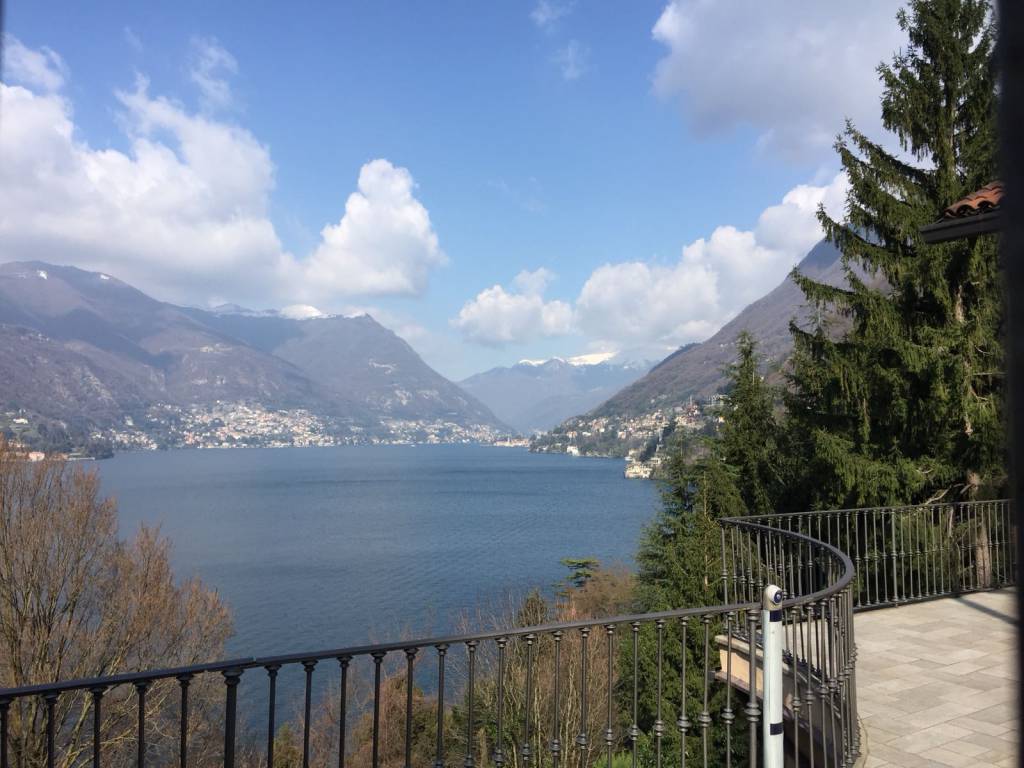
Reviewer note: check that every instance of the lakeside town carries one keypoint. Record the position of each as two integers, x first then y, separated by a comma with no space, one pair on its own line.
238,425
642,439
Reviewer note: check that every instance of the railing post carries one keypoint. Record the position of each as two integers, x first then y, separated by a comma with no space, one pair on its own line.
771,725
231,680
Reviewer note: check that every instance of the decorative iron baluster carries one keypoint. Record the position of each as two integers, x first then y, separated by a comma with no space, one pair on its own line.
807,644
581,740
471,655
903,558
752,710
609,734
760,567
736,568
5,709
442,650
410,659
874,553
499,751
833,685
883,563
823,692
857,569
343,662
51,750
659,725
309,665
634,729
140,689
378,659
923,575
683,722
183,682
526,750
893,552
725,572
97,692
727,714
556,741
794,665
231,680
272,670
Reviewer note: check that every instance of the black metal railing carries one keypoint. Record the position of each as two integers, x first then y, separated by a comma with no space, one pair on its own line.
651,689
919,552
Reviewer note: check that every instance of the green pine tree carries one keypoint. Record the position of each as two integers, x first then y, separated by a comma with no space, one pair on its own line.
679,565
749,435
899,397
679,562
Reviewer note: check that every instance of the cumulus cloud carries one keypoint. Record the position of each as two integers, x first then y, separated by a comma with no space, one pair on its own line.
41,68
496,316
210,68
793,71
384,244
183,211
654,305
546,13
533,283
637,302
573,60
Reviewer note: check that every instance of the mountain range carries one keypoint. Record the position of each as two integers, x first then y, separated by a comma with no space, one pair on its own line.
535,395
698,371
89,352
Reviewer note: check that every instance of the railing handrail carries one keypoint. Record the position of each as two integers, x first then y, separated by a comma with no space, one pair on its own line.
86,683
877,507
845,577
915,552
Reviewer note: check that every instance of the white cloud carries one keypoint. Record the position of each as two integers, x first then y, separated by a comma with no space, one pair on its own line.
637,302
651,305
573,60
496,316
43,69
793,71
533,283
183,212
634,302
384,244
547,13
210,68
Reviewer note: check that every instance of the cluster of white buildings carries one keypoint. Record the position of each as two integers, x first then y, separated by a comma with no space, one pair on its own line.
418,431
235,424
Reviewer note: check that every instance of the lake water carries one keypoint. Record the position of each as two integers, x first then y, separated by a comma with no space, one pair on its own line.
325,547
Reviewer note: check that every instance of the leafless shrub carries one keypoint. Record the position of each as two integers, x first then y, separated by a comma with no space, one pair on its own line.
78,602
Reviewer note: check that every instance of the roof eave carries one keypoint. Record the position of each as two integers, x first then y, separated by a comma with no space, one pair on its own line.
966,226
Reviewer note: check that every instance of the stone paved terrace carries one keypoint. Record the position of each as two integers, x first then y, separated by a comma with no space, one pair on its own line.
936,682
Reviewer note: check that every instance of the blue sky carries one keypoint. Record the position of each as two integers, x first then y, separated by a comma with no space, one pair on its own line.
499,181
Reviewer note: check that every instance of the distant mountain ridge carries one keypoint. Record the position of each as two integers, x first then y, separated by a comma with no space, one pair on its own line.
357,356
86,349
535,395
698,370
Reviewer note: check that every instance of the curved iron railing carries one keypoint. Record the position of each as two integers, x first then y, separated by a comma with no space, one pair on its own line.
639,689
916,552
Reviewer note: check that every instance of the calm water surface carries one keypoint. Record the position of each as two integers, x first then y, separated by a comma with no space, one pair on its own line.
323,547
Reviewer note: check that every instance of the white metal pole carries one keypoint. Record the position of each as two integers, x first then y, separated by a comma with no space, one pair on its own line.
771,725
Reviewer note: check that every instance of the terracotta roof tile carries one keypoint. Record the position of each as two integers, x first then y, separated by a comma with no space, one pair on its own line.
985,199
